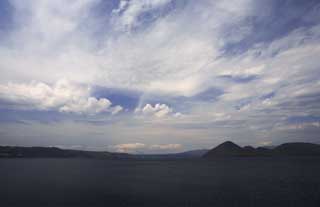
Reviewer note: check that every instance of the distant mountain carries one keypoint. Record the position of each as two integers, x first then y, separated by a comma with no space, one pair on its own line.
230,149
182,155
54,152
193,153
226,149
297,149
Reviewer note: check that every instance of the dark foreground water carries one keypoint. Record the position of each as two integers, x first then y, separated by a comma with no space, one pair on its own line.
225,182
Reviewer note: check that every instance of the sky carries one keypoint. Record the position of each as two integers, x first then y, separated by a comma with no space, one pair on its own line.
159,76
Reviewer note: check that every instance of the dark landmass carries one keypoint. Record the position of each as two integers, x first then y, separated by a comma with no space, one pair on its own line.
230,149
226,149
182,155
297,149
194,153
54,152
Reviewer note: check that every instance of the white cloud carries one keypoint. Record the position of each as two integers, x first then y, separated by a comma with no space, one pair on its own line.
166,146
158,110
116,109
255,70
130,147
179,54
144,148
63,96
126,16
265,143
90,106
299,126
176,59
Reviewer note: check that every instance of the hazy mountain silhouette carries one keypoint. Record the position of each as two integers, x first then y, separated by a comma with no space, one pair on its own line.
297,149
181,155
193,153
226,149
230,149
54,152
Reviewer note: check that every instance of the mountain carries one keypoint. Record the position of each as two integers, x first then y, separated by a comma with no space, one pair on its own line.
297,149
229,149
182,155
193,153
226,149
54,152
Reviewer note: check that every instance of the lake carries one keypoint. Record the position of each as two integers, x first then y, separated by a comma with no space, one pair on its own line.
262,181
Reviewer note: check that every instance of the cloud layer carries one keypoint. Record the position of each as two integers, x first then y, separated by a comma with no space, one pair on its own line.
188,72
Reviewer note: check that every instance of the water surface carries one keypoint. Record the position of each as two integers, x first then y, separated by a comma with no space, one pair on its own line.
223,182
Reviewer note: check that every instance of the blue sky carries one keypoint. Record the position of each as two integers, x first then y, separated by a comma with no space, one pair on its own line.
158,76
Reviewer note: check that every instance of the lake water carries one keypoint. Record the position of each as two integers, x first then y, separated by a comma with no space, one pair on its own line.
244,182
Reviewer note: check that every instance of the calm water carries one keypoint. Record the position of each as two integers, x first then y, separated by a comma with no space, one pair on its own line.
226,182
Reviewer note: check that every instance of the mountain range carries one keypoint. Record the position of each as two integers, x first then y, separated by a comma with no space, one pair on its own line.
230,149
54,152
226,149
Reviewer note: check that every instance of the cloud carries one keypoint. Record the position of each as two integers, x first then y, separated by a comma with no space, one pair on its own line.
265,143
166,146
78,46
130,147
63,96
299,126
158,110
126,16
237,68
178,59
144,148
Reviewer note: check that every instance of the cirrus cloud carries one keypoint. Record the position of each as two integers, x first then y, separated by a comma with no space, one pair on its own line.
238,69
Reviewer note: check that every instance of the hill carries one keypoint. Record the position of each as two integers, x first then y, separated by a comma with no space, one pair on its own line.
54,152
298,149
181,155
226,149
230,149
